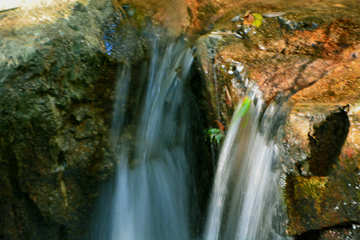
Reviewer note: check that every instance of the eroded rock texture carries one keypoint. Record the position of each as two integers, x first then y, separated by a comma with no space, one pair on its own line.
326,142
308,54
56,88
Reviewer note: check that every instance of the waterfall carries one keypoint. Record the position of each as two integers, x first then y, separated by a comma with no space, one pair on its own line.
246,199
149,196
152,194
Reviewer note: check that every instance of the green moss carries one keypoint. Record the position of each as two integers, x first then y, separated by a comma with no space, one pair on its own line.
313,188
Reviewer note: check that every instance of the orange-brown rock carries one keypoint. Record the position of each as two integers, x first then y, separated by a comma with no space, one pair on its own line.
297,50
310,54
320,202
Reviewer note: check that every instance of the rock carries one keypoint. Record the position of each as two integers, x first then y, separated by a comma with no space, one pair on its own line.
56,85
315,202
326,142
287,54
351,232
311,59
216,94
320,202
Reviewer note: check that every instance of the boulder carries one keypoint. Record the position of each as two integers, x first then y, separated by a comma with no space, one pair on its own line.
56,88
307,53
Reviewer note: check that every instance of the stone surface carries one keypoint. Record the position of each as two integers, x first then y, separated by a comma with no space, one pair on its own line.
351,232
316,202
292,52
56,89
326,142
320,202
310,56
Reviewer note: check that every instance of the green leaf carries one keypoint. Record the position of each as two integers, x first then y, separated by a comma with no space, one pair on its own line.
213,131
258,19
215,134
218,138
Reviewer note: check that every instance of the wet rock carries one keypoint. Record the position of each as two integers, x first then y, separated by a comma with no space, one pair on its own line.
206,49
56,91
320,202
315,202
326,142
288,59
350,232
311,59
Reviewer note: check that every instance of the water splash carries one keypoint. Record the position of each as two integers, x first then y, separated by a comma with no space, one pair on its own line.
246,200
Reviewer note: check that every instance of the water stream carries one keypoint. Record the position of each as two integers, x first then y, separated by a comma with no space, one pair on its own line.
151,139
151,195
246,198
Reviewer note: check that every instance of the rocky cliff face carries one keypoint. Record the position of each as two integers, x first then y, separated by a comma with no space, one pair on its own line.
307,54
56,93
58,68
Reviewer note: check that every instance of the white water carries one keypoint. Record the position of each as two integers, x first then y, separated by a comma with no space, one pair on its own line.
245,202
150,135
149,197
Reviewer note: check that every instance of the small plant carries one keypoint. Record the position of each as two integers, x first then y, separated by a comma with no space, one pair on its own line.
215,134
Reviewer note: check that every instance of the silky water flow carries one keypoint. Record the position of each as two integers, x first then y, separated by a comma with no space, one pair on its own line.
246,201
149,196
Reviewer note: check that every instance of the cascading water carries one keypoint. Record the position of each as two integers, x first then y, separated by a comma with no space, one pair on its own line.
151,137
150,196
246,199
